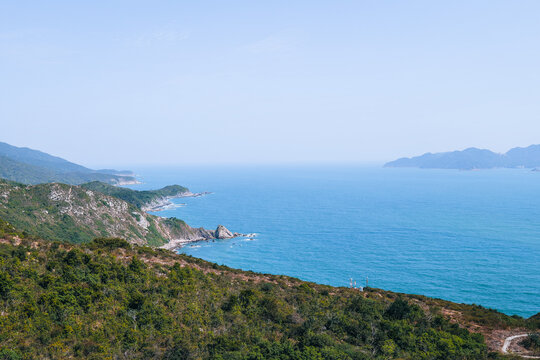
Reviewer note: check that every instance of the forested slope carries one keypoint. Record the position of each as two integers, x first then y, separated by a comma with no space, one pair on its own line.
111,300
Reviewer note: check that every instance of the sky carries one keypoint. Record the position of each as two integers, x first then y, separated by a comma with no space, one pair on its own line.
109,83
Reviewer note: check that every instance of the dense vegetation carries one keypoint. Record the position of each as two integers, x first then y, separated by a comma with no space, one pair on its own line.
72,214
33,167
109,299
532,343
31,174
106,300
134,197
8,231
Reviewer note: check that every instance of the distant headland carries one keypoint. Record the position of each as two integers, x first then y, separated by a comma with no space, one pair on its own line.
30,166
473,158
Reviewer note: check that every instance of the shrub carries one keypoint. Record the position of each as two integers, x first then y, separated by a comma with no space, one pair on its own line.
110,243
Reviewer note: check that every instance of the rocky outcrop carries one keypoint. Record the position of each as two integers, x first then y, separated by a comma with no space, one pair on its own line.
223,233
165,203
181,235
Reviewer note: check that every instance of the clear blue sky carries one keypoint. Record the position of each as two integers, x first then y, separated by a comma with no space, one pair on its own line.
171,82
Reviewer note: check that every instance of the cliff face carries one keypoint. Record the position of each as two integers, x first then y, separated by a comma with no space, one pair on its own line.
223,233
73,214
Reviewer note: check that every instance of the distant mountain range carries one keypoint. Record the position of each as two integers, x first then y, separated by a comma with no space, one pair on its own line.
474,158
30,166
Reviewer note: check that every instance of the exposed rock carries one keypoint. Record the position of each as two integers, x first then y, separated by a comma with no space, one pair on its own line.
164,203
223,233
141,220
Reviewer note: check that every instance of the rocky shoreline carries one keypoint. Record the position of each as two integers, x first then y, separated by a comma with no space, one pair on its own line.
202,234
180,239
165,203
127,182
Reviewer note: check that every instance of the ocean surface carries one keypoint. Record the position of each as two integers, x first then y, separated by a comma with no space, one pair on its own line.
464,236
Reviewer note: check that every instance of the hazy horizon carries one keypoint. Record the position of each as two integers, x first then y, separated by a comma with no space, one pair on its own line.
134,83
124,165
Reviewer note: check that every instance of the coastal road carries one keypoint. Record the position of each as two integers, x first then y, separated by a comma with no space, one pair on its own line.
507,342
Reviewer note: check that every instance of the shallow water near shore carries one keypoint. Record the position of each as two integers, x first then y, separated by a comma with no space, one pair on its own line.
464,236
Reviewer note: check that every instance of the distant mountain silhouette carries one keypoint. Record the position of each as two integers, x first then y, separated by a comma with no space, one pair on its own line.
30,166
473,158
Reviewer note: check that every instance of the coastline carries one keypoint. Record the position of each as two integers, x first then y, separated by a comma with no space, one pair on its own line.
221,233
128,182
164,203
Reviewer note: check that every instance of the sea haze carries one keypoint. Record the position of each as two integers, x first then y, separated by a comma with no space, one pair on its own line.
464,236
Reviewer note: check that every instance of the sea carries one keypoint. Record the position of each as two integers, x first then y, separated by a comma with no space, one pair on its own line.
464,236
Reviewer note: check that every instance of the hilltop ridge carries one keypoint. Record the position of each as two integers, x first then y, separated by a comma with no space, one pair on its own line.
31,166
144,199
473,158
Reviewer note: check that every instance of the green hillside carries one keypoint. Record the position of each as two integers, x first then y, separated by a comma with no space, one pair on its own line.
34,167
134,197
31,174
25,173
39,158
72,214
107,300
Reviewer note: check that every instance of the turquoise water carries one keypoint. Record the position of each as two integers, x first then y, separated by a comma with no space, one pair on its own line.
464,236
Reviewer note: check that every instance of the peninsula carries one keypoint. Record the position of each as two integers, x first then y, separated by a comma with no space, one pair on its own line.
78,214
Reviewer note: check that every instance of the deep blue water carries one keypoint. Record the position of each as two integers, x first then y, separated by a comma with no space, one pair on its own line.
464,236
